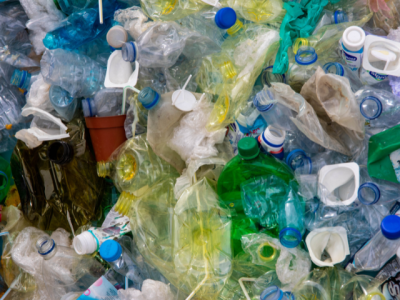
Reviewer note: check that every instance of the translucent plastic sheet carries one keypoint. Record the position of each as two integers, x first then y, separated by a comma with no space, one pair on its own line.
170,10
229,73
48,190
361,287
151,290
133,20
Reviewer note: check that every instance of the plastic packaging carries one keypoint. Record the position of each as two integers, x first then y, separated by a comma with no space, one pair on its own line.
117,36
301,163
331,17
170,10
63,270
151,290
304,67
381,247
328,246
120,72
161,45
62,102
315,284
344,71
353,46
134,20
106,103
76,73
120,260
248,164
272,141
361,287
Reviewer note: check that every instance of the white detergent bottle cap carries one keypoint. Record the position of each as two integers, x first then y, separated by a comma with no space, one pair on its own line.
331,240
183,99
117,36
353,38
84,243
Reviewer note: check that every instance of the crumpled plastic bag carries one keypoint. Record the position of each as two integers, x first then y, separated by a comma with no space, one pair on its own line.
133,20
151,290
330,136
290,263
38,95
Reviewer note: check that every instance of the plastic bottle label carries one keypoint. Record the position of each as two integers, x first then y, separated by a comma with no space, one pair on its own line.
353,59
370,78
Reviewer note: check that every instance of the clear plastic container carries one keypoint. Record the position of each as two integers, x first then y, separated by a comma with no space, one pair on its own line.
305,65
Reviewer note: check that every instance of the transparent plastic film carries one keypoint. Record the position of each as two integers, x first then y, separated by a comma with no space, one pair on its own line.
315,285
171,10
362,287
266,11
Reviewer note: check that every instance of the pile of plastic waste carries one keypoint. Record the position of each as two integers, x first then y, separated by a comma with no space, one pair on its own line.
200,149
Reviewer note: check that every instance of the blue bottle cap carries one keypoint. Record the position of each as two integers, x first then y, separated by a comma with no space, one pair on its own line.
306,55
340,17
258,98
110,250
369,193
390,227
21,79
334,68
148,97
290,237
225,18
371,108
129,51
294,156
272,293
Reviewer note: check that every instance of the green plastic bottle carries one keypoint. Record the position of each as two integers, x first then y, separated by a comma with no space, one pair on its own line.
5,179
249,163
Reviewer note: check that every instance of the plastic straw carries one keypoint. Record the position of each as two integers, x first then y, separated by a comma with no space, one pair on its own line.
101,11
124,97
184,87
243,287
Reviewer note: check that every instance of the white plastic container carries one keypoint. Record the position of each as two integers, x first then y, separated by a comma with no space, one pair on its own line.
352,43
341,182
330,240
119,72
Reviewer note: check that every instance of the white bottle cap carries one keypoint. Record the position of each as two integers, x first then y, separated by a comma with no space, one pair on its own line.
273,138
117,36
353,38
85,243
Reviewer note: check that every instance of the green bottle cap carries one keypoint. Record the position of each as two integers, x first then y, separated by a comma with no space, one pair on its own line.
248,148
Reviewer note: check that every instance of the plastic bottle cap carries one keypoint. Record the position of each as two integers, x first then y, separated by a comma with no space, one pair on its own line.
353,38
306,55
272,293
129,52
185,101
334,68
148,97
390,227
117,36
340,17
369,193
21,79
371,107
248,148
225,18
290,237
84,243
110,250
292,160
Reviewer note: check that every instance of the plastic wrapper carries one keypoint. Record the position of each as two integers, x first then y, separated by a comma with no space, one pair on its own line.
315,284
151,290
170,10
133,20
230,73
268,251
385,14
361,287
38,95
49,190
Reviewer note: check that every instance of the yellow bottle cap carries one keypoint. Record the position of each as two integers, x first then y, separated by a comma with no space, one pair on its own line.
235,28
266,252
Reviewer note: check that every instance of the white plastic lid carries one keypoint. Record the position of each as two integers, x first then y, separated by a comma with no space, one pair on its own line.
353,38
183,100
117,36
85,243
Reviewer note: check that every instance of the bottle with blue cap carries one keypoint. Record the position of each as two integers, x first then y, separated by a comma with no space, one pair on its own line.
23,79
105,103
65,271
376,191
380,108
291,220
302,164
382,247
305,65
342,70
331,17
121,260
275,293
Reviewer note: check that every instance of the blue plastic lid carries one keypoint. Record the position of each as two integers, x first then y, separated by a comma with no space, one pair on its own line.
225,18
306,55
297,159
257,100
340,17
148,97
390,227
129,51
272,293
110,250
366,190
21,79
290,237
334,68
371,107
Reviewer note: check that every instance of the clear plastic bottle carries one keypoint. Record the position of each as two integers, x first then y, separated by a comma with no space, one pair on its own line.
380,108
342,70
267,77
64,271
382,247
62,102
76,73
121,261
275,293
306,63
302,164
106,103
329,17
23,79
